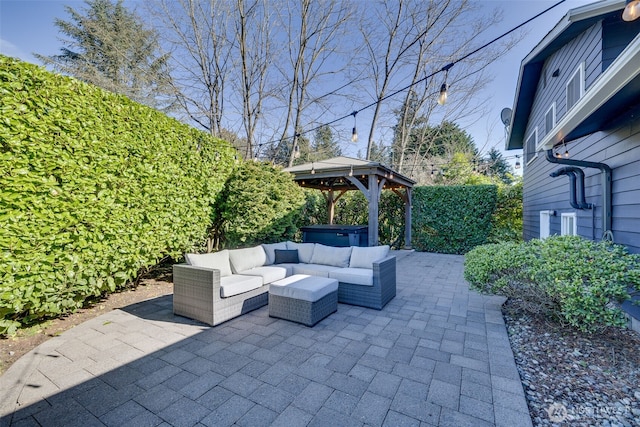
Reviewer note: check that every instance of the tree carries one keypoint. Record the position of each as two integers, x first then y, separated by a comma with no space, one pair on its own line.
409,40
197,31
109,47
324,145
497,166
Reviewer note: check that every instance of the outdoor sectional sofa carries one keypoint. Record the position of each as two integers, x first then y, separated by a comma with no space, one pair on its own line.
216,287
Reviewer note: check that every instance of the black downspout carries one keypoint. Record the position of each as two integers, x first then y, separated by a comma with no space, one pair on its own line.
568,171
605,182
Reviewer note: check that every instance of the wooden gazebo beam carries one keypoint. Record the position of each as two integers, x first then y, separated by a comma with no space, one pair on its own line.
341,174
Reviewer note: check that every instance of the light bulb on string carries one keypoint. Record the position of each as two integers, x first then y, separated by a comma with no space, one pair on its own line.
442,98
354,132
631,11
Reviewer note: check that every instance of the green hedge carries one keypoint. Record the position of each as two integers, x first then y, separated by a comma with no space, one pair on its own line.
93,187
259,204
566,278
452,219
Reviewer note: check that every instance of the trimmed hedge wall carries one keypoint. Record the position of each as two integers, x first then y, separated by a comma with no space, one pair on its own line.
93,187
452,219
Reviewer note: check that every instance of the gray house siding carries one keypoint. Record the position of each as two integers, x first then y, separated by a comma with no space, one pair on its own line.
616,37
619,148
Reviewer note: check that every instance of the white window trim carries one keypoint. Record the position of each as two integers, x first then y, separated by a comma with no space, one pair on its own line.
563,224
579,70
545,224
535,145
552,108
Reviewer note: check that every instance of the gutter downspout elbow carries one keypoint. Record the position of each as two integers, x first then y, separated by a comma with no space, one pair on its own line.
606,182
568,171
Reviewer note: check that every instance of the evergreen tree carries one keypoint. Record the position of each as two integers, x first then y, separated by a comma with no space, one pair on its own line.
498,167
109,47
324,145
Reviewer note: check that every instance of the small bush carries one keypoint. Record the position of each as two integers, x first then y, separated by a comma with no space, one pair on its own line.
568,278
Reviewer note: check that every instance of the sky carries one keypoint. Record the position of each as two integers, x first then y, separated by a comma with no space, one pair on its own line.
27,26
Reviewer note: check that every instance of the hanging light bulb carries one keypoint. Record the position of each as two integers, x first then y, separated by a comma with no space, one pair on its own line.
313,169
517,164
566,151
442,99
354,132
631,10
296,152
351,171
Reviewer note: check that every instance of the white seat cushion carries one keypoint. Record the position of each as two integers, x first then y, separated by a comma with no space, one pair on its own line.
330,255
313,269
248,258
289,268
217,260
364,257
269,250
356,276
305,250
269,273
237,284
304,287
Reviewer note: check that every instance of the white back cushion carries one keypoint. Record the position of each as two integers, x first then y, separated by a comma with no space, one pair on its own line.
246,259
329,255
270,248
217,260
364,257
305,250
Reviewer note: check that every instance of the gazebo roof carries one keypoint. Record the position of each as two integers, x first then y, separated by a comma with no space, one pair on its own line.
334,173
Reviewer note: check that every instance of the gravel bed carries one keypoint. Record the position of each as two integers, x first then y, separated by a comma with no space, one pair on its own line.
576,379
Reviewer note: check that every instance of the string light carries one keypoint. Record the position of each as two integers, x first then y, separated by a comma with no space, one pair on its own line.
296,152
442,98
445,69
631,10
354,132
313,169
351,171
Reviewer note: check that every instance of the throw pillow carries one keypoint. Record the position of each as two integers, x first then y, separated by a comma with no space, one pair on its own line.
286,256
269,249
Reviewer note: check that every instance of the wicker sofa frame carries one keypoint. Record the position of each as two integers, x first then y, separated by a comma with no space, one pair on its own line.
376,296
196,293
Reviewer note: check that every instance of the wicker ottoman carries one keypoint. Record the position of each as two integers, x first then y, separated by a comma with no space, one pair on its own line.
302,298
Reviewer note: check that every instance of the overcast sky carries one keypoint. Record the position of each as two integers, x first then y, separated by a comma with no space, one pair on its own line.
27,26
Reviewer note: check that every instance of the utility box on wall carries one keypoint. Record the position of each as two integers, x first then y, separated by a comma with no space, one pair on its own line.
336,235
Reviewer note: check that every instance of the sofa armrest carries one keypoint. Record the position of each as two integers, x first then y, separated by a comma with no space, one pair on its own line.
194,291
384,277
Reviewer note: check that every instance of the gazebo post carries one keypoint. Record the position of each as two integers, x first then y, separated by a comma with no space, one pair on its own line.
407,219
331,205
374,197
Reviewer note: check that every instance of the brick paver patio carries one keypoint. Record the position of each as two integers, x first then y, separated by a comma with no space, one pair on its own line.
438,354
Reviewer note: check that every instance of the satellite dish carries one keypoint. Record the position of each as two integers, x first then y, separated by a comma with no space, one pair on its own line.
505,116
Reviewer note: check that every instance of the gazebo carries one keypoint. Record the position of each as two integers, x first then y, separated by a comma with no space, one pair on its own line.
337,175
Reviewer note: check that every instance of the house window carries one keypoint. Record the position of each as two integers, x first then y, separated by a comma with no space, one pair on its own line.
530,146
550,118
545,224
575,87
569,224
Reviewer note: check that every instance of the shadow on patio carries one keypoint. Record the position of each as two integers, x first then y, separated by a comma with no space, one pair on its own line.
437,354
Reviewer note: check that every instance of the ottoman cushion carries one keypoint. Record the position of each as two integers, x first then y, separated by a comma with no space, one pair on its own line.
303,287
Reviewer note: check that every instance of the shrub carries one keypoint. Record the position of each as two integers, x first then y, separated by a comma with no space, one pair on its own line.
506,224
93,188
567,278
452,219
260,204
